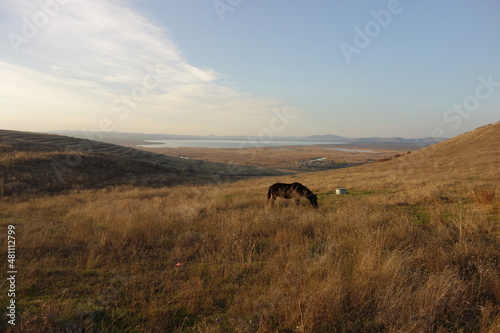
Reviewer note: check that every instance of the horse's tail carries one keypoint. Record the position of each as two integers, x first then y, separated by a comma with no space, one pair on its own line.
269,192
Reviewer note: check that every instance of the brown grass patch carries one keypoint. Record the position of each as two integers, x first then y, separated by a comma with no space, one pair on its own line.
106,261
406,250
483,196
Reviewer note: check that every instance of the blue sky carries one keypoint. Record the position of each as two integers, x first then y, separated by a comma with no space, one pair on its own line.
240,67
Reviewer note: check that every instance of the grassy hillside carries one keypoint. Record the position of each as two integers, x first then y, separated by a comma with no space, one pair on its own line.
33,162
413,247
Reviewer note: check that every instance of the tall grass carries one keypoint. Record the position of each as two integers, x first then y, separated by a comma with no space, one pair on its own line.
413,247
389,260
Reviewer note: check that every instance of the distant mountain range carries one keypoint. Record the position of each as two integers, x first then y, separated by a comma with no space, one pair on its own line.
140,138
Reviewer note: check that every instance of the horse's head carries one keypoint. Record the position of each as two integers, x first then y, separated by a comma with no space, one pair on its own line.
313,200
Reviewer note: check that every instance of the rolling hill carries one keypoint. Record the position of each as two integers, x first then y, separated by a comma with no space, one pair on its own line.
472,154
414,246
34,162
470,160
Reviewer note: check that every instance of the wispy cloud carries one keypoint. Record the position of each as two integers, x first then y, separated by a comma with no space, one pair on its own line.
83,56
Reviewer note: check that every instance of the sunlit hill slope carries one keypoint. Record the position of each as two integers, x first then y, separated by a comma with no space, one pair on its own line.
414,246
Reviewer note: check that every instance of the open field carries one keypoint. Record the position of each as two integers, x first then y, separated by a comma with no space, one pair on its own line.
413,247
292,158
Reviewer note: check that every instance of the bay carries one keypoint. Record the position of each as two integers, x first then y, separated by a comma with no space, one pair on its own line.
229,143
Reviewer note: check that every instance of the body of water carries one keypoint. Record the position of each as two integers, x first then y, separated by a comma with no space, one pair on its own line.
229,143
355,150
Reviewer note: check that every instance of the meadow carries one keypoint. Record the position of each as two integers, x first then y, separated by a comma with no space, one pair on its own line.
295,159
413,247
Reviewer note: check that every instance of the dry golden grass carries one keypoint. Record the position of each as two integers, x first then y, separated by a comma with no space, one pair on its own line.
369,261
296,159
408,249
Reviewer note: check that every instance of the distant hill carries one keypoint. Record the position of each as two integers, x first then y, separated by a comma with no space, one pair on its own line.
470,158
34,162
472,154
126,138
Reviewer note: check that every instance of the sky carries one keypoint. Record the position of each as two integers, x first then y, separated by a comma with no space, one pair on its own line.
391,68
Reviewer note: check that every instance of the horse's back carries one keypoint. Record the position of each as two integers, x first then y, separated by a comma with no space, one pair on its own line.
289,191
282,185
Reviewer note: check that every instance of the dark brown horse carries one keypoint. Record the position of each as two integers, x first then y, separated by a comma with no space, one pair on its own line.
288,191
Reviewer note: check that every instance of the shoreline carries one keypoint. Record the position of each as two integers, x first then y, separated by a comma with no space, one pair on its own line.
298,158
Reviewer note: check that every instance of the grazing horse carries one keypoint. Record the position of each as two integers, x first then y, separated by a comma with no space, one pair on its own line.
287,191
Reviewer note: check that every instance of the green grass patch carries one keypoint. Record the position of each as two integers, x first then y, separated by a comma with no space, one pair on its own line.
351,193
